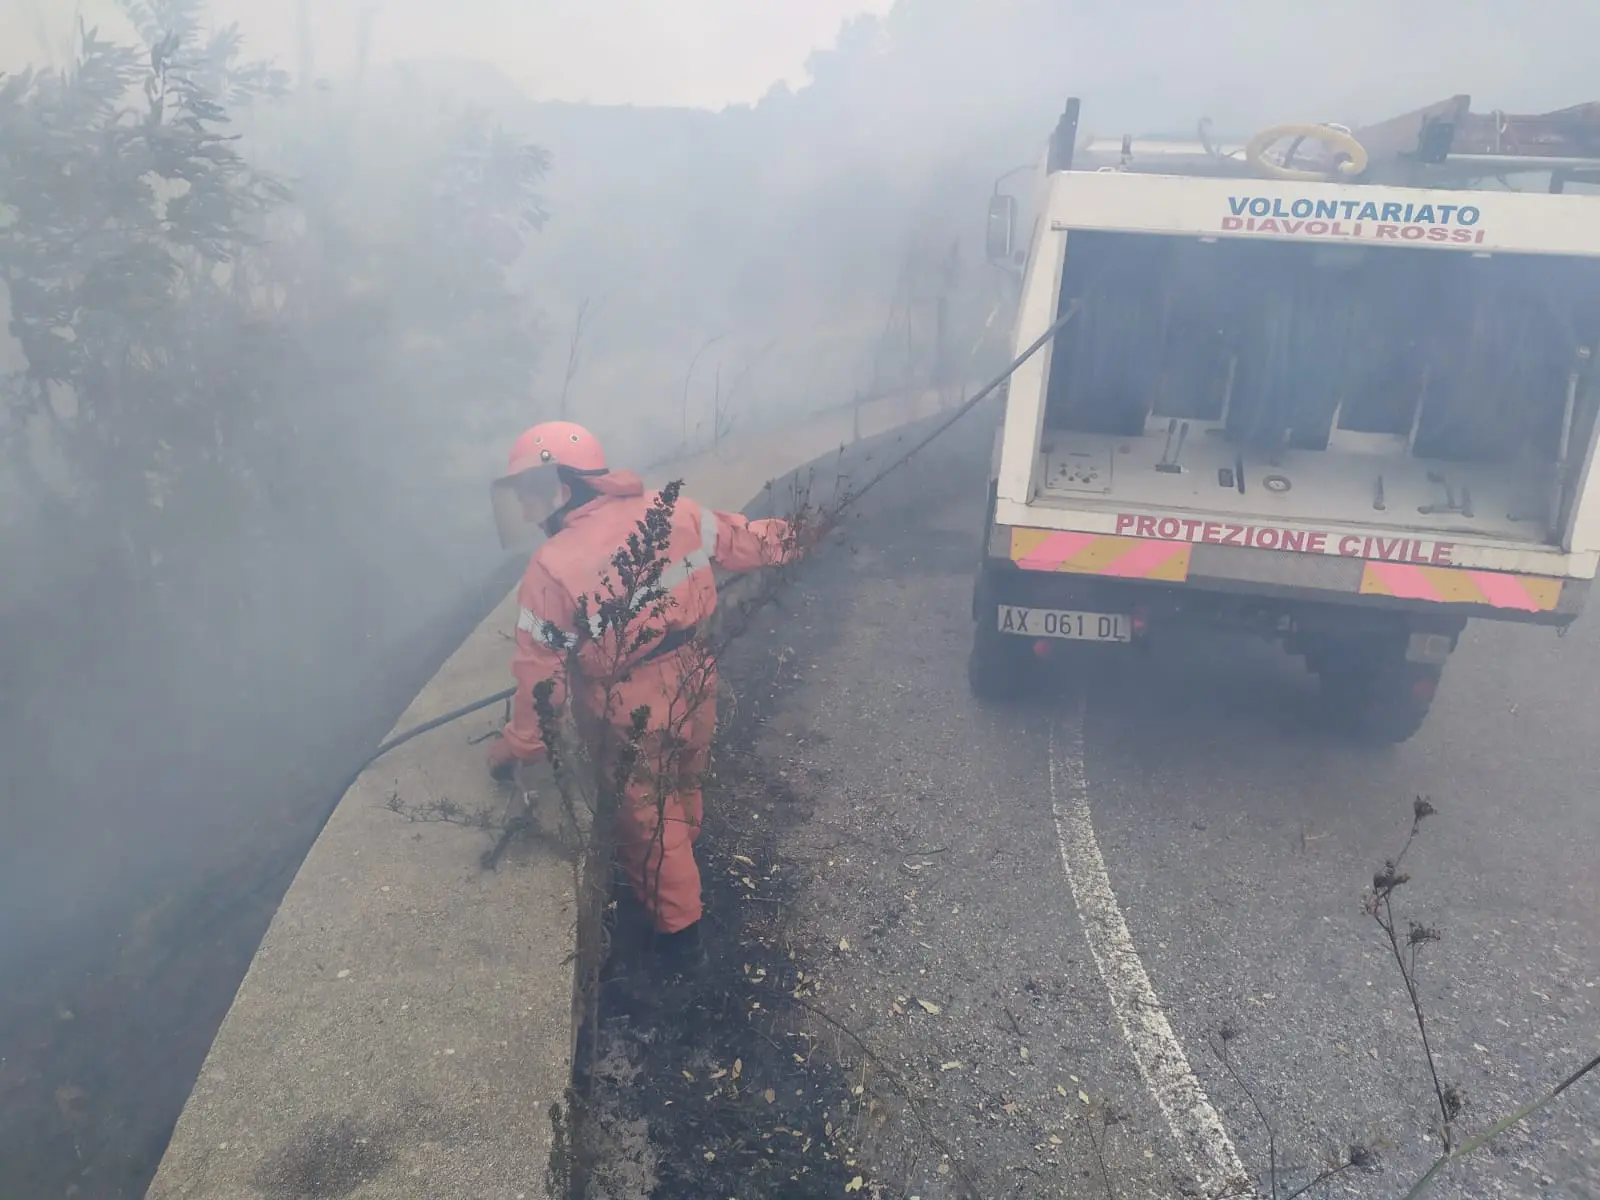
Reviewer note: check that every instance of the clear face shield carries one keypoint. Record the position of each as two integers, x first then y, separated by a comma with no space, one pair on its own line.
522,503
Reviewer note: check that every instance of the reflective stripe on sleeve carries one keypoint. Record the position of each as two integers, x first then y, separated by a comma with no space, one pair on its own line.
548,633
708,534
542,631
679,573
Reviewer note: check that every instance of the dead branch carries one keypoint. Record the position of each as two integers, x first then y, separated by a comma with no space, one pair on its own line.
1379,905
574,351
1225,1037
1451,1100
1472,1145
721,418
924,1122
688,376
442,811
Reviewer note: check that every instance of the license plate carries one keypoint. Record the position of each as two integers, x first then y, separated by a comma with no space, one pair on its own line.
1057,623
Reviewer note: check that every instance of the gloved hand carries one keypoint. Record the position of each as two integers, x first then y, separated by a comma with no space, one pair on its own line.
503,759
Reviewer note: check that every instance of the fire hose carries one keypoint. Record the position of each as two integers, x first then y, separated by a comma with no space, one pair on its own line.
848,502
1352,160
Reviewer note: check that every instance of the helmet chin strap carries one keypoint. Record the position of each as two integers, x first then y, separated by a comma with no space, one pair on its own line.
580,492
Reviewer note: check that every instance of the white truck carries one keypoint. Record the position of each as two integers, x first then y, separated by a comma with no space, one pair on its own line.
1344,399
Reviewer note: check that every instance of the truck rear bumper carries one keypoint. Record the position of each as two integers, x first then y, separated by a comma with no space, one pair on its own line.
1059,569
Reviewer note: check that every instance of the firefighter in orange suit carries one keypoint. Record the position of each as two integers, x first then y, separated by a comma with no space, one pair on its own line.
558,479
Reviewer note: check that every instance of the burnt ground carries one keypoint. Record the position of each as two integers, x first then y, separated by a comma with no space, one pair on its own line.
712,1087
744,1082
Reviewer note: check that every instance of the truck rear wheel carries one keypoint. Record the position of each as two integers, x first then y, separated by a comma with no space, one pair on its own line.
1380,698
1000,666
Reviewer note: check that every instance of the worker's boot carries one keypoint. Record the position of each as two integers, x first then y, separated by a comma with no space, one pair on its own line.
681,955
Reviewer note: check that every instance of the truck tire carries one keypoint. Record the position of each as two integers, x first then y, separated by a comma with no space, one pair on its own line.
999,667
1380,699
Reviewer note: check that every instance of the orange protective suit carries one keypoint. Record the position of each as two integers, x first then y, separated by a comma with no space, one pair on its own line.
660,809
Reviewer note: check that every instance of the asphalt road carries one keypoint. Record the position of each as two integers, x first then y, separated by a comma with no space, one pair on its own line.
1041,919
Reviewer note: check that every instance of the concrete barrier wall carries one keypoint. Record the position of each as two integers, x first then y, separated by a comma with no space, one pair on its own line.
406,1025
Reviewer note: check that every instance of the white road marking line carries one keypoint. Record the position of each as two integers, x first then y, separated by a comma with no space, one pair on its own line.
1194,1122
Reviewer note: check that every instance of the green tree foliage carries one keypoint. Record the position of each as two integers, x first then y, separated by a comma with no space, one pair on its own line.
216,356
127,209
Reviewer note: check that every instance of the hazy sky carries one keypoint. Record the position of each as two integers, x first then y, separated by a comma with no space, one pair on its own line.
694,52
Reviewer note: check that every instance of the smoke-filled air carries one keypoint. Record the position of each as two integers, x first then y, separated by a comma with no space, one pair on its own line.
609,600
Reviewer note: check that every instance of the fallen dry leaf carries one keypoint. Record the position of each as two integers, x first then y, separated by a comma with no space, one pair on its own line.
70,1101
769,1095
929,1007
855,1185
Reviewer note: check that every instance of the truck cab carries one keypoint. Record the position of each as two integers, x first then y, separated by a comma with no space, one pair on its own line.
1343,398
